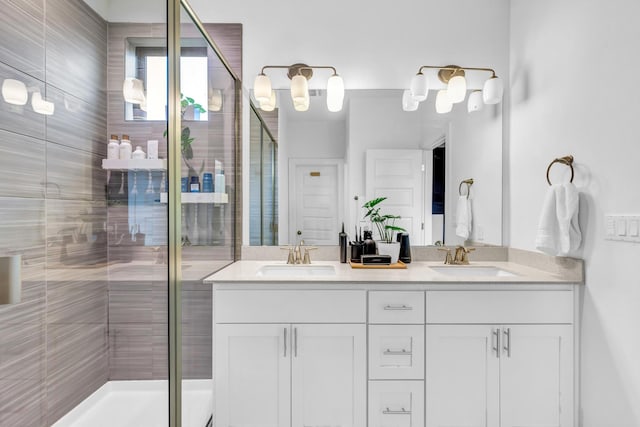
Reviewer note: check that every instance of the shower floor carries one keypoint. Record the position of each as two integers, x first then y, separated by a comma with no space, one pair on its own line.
141,404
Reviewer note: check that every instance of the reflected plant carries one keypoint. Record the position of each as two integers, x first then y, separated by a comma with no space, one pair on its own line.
186,140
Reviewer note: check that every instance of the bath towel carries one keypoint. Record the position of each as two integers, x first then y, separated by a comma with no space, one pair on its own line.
558,229
463,217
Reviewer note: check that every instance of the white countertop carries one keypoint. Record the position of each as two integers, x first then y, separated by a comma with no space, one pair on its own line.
416,272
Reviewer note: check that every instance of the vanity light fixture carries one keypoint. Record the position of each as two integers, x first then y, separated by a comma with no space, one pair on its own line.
14,92
133,91
454,77
299,74
40,105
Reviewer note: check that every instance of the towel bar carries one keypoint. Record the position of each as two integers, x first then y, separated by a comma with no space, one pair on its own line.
566,160
469,183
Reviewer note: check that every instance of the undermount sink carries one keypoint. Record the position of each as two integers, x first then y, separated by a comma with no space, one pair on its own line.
472,270
288,270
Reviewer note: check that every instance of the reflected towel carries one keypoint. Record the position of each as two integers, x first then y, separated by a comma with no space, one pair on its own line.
558,229
463,217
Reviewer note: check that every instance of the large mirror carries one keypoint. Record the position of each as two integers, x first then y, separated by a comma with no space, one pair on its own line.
330,164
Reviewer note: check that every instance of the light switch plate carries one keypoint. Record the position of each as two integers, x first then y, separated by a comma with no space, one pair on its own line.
624,228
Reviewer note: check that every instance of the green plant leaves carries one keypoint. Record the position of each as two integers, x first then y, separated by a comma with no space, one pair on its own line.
384,223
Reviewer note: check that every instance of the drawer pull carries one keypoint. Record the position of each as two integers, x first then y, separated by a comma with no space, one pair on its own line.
403,352
402,307
400,412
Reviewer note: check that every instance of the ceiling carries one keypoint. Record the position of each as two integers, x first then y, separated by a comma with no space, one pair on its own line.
373,45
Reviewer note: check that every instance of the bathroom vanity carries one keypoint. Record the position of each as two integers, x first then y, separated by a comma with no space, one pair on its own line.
430,345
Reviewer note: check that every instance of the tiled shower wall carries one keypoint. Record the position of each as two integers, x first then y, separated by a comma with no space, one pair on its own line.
53,345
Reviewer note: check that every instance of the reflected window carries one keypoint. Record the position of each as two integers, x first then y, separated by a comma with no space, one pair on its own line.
151,69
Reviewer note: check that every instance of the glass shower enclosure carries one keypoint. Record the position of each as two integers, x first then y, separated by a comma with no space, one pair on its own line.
103,314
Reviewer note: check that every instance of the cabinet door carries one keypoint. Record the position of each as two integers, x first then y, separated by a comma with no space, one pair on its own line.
536,376
462,376
252,375
328,375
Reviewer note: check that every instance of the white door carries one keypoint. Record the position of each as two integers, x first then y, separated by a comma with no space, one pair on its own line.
329,380
315,200
462,376
537,376
252,375
398,176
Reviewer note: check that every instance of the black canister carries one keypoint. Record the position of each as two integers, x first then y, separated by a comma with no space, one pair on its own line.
356,251
405,248
369,244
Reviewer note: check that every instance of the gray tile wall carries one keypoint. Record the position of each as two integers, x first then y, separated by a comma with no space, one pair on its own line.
53,345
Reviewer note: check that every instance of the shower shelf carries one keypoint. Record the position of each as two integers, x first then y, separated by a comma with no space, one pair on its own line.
135,164
187,198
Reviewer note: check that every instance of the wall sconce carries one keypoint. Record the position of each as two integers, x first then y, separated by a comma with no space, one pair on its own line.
299,75
10,279
14,92
454,77
133,91
41,105
215,100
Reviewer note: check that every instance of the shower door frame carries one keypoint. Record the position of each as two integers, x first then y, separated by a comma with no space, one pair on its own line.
174,156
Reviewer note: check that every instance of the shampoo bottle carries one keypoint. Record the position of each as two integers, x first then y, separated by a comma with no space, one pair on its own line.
113,148
219,184
125,148
138,154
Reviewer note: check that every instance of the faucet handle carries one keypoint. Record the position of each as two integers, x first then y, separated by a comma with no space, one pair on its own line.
307,259
291,259
448,259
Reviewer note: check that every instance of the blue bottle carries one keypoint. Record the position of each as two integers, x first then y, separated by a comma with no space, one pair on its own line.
184,184
207,183
194,185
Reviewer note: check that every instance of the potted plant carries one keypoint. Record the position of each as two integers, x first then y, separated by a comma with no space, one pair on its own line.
385,224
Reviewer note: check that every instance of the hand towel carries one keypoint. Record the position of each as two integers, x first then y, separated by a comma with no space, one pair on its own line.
463,217
558,229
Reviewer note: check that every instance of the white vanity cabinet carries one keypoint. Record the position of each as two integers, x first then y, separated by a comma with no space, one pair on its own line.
401,354
501,362
295,374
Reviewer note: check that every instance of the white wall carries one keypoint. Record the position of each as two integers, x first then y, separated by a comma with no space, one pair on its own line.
574,68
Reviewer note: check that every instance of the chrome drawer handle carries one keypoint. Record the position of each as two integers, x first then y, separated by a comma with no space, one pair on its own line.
400,412
402,307
403,352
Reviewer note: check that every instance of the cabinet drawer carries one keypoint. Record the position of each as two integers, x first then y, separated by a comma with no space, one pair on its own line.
396,307
276,306
499,306
396,352
396,403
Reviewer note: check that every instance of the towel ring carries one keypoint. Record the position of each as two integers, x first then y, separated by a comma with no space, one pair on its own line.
469,183
566,160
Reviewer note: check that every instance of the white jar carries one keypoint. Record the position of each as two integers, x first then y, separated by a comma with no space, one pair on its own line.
125,148
138,154
113,148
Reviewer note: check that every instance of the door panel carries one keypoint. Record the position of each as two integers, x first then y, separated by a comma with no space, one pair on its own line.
537,376
398,176
315,193
252,375
462,377
329,375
